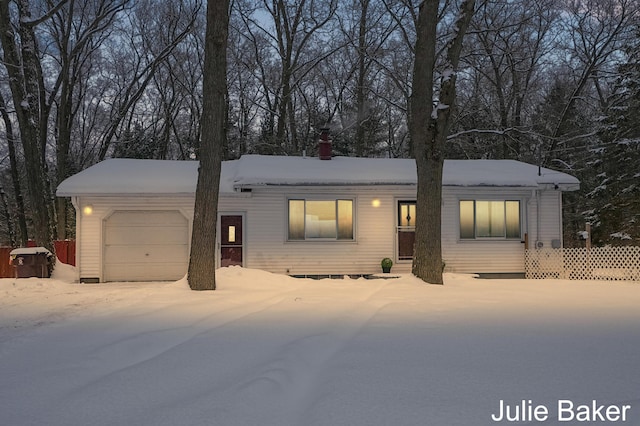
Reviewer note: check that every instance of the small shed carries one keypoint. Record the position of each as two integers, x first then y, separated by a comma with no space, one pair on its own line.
31,262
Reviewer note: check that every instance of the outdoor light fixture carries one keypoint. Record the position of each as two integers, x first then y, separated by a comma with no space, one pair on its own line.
87,210
375,203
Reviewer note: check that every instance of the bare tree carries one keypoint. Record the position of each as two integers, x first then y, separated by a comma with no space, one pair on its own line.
429,127
23,234
202,261
77,30
175,99
135,54
296,25
359,74
22,61
248,92
361,89
595,31
509,46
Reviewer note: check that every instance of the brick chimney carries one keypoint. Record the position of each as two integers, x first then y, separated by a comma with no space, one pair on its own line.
324,145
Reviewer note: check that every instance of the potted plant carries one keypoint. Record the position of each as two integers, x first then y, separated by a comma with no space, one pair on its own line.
386,265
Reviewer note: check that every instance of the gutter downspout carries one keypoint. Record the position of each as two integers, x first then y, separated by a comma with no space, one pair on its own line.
75,201
561,236
538,201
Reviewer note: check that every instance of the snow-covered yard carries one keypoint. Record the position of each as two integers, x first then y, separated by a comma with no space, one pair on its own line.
272,350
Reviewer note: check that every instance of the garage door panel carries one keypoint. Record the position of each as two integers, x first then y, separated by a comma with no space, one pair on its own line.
141,272
145,218
148,235
145,246
145,254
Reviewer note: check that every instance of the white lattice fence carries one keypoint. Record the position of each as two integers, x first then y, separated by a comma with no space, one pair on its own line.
600,263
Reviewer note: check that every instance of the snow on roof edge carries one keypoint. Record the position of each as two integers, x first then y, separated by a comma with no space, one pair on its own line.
132,177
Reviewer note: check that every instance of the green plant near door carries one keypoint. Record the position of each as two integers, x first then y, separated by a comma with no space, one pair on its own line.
386,265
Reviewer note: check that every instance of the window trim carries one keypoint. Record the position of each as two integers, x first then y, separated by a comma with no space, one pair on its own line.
504,200
331,198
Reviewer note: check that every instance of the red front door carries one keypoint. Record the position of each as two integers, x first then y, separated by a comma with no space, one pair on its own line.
230,240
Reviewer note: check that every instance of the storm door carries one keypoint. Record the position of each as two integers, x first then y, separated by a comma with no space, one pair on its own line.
231,240
406,229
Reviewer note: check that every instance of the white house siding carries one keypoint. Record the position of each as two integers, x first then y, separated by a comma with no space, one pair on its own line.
544,210
550,217
478,255
265,229
499,256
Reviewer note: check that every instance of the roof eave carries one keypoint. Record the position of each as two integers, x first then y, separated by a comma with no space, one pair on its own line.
240,186
123,194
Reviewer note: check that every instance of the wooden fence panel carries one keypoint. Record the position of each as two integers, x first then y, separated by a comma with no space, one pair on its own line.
66,251
6,269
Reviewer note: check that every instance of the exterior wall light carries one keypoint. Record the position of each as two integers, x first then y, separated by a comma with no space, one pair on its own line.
87,210
375,203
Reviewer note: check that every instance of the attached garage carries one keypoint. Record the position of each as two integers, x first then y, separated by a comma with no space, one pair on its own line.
145,245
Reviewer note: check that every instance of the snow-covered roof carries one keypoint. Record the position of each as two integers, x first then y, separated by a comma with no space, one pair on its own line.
137,177
29,250
258,170
129,176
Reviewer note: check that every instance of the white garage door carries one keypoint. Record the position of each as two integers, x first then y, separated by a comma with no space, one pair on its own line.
146,246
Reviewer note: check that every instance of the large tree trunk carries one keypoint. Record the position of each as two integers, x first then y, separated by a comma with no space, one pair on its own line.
62,154
427,261
23,232
202,263
360,85
427,250
429,129
23,66
281,126
11,238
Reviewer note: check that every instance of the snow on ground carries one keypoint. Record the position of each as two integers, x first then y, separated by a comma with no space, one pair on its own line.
267,349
